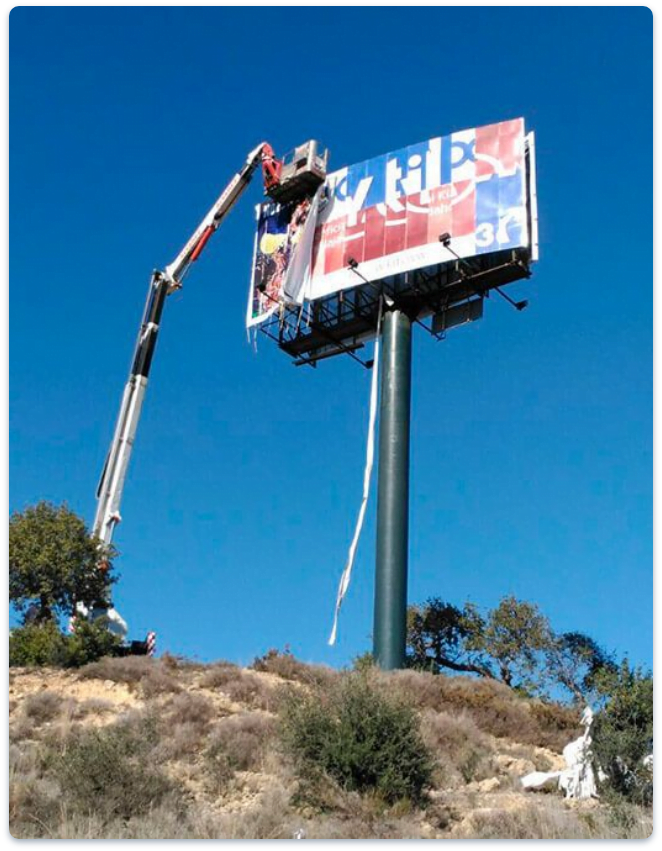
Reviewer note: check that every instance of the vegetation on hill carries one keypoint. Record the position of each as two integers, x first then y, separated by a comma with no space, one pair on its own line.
164,748
54,563
108,746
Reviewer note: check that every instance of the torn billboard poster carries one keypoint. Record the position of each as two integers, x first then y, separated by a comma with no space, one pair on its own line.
282,257
387,214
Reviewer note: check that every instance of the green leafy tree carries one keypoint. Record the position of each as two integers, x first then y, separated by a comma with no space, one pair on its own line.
513,643
507,644
55,563
576,662
623,732
515,635
439,635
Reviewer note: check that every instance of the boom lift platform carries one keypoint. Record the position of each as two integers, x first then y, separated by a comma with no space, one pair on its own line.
289,180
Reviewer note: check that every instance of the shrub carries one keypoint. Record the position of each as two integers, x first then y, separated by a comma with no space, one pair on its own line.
220,673
364,662
239,687
42,644
623,734
187,718
458,745
152,676
284,665
108,772
158,681
93,706
42,706
495,708
242,739
37,645
89,642
364,740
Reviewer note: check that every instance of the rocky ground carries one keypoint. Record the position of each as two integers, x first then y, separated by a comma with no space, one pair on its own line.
217,745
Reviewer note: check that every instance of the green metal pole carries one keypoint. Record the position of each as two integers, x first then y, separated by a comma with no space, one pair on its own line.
390,627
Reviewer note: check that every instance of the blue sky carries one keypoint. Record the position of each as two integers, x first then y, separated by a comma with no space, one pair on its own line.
531,432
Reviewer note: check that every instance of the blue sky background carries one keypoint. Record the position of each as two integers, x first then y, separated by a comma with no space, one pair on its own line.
531,433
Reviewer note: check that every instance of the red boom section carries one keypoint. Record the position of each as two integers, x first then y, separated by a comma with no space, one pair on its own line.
271,167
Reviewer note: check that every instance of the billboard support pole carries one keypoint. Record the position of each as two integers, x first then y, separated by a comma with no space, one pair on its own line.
390,623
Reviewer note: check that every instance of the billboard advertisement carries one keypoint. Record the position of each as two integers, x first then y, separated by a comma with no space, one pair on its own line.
387,214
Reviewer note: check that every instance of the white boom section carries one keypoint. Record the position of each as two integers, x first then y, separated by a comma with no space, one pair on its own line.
111,485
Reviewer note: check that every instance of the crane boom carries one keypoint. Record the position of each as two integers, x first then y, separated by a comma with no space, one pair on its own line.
285,182
162,283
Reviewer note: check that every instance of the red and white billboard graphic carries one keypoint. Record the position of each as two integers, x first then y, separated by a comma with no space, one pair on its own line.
387,213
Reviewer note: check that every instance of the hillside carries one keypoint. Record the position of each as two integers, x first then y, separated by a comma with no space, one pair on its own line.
140,748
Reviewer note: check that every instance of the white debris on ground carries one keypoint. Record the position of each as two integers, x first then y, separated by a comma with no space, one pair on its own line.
577,779
541,779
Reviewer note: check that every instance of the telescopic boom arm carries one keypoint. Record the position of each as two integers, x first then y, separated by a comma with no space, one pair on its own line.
162,283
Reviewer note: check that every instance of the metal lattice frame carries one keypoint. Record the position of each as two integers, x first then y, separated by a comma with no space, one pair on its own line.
340,323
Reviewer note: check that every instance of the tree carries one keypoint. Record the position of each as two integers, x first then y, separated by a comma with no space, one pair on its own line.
515,635
504,645
575,662
439,635
623,731
55,563
513,643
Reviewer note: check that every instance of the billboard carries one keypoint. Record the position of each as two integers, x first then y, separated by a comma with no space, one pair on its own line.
387,214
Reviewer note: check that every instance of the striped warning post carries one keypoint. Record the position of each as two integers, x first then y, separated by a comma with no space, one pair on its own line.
151,643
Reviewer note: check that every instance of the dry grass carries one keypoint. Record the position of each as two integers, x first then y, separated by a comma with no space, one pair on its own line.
129,670
494,707
236,744
93,706
350,815
35,812
33,797
198,757
187,717
285,666
142,674
551,819
219,673
243,740
159,681
42,707
190,708
181,664
463,752
240,686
